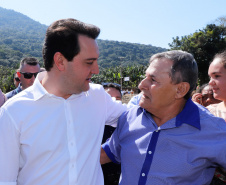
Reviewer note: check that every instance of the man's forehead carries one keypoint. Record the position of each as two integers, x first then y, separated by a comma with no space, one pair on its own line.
158,66
30,67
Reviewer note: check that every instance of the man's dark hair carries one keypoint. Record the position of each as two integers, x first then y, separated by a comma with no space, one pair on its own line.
28,60
112,85
62,36
184,68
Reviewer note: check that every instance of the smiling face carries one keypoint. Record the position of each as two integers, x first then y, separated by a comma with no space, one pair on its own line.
217,74
78,72
157,88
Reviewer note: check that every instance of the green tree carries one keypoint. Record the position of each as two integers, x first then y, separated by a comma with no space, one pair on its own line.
6,79
203,44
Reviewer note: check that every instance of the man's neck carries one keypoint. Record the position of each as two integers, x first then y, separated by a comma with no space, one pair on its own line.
165,114
51,83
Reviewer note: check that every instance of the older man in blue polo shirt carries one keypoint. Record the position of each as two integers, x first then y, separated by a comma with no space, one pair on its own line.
168,139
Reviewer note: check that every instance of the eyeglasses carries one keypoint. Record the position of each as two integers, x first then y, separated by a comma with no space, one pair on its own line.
17,79
29,75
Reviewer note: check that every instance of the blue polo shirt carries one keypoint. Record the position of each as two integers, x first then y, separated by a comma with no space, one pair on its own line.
184,150
13,92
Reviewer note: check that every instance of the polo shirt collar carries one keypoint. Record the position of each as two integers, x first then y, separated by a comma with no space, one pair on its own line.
189,115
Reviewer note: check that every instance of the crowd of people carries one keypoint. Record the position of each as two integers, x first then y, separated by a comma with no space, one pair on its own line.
56,127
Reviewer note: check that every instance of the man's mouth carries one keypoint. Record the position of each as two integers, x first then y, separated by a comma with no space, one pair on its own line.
88,79
214,89
146,97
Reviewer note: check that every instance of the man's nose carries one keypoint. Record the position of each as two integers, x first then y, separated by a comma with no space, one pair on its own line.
142,84
95,69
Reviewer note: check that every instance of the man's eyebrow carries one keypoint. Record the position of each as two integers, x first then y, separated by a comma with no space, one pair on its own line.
91,58
151,75
215,72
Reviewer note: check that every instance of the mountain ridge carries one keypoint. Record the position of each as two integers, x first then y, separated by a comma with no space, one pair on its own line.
21,36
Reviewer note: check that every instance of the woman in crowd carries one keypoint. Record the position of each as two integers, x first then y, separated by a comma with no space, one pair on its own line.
217,73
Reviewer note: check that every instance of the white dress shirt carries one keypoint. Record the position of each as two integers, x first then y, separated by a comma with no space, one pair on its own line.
48,140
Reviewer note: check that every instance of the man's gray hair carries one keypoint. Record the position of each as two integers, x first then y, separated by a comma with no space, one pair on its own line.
184,68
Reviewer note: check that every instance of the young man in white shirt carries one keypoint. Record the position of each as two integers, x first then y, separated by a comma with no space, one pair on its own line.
51,132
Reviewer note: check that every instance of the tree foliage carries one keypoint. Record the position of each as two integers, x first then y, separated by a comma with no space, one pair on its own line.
115,53
20,36
6,79
203,44
117,74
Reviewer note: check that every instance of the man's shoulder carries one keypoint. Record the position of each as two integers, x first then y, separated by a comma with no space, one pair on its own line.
11,94
207,119
131,114
19,98
95,87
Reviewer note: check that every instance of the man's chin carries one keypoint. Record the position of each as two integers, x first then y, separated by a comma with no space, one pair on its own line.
86,88
142,103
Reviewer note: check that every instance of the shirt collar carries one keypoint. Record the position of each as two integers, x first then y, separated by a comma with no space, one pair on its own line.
39,90
189,115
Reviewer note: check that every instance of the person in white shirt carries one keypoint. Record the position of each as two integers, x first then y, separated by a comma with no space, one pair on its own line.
51,132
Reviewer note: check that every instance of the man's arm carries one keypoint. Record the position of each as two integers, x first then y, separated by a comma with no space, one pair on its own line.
114,110
9,149
103,157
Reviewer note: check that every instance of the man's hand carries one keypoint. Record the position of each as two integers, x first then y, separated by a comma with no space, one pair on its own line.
197,97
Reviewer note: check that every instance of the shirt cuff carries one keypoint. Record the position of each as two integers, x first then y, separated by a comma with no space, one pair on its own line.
107,150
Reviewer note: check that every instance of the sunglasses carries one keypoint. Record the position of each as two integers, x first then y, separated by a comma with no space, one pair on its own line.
17,79
29,75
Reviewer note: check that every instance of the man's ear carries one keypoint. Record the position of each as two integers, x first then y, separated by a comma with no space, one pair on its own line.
182,89
59,61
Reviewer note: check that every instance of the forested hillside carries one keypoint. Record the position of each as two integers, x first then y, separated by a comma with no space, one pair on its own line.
21,36
114,53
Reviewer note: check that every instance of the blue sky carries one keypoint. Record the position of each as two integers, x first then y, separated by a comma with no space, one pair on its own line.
153,22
